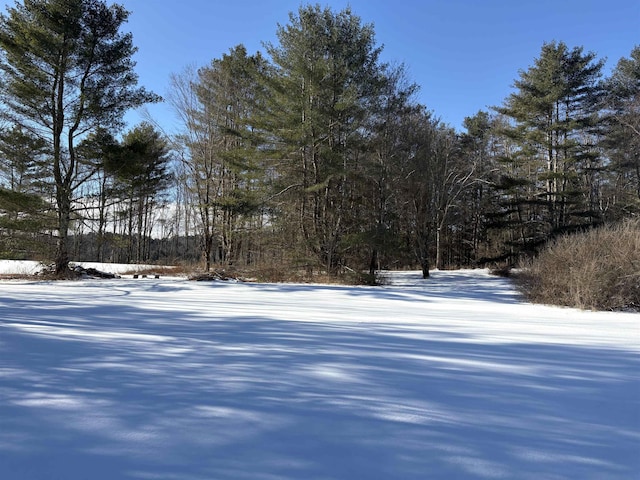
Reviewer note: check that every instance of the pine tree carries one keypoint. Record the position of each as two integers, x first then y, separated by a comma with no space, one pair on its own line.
25,214
97,152
326,75
555,119
23,164
141,168
66,70
229,93
220,148
622,135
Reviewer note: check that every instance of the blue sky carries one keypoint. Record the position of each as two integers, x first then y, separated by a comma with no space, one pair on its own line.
464,54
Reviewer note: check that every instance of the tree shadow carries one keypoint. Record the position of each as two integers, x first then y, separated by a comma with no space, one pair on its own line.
157,390
464,285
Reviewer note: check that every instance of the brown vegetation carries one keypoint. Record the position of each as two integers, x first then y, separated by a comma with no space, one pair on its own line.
597,270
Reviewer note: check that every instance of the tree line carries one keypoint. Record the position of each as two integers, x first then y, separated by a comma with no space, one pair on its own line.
314,155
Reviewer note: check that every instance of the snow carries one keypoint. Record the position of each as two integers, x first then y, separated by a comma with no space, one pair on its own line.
20,267
30,267
455,377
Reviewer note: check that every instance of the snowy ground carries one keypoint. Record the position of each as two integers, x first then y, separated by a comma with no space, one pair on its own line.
29,267
450,378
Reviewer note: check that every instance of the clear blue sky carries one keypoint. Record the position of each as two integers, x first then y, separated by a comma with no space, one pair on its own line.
464,54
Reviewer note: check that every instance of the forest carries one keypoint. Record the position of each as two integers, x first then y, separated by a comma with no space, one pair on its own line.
312,156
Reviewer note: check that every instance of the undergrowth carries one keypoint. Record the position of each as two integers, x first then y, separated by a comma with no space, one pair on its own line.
272,274
596,270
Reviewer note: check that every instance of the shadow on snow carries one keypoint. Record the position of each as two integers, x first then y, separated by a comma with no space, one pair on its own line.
122,391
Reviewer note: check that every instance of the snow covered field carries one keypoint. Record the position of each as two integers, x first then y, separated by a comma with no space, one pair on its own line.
450,378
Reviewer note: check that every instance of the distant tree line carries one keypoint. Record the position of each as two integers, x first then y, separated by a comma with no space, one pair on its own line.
313,155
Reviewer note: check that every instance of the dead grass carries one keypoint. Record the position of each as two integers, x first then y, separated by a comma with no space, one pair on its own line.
597,270
176,271
292,274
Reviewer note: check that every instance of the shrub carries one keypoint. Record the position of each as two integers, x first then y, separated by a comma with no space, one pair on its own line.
599,270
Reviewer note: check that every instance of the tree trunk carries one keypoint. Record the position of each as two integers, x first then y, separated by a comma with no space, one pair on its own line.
425,267
423,253
64,220
374,262
438,248
102,221
207,248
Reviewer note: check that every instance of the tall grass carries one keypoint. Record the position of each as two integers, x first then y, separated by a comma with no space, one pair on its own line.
598,270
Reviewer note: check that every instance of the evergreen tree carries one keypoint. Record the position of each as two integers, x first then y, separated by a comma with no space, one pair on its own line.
24,220
25,188
555,119
622,135
229,92
326,76
141,167
220,148
66,70
23,161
